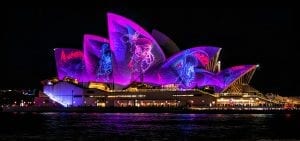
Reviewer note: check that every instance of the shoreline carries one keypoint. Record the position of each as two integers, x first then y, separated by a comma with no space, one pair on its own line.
146,110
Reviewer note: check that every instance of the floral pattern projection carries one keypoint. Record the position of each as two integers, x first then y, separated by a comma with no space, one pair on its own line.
131,54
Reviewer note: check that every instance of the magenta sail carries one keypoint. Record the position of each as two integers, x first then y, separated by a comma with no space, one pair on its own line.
97,59
137,55
69,63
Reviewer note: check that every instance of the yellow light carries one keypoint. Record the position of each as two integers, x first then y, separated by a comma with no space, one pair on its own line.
99,86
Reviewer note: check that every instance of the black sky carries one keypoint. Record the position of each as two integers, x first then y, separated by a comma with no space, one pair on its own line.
262,36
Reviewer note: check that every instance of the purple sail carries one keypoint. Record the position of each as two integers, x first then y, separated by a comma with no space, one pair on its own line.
182,67
69,63
97,59
206,78
137,56
230,75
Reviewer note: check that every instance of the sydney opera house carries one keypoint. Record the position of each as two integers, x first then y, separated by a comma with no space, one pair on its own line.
132,67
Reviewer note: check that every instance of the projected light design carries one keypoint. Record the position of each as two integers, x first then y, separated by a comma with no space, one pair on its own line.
229,75
186,70
206,78
137,55
183,67
69,63
104,64
131,54
141,57
97,58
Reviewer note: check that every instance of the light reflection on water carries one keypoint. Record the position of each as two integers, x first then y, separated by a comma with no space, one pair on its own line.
148,126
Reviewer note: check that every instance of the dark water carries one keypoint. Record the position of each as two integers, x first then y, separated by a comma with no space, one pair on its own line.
148,126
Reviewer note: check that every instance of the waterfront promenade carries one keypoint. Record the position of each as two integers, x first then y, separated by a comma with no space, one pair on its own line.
223,110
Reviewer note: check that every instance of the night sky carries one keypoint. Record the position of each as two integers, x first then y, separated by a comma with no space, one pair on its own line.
262,36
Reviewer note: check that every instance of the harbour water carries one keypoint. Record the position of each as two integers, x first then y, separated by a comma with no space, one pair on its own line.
148,126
